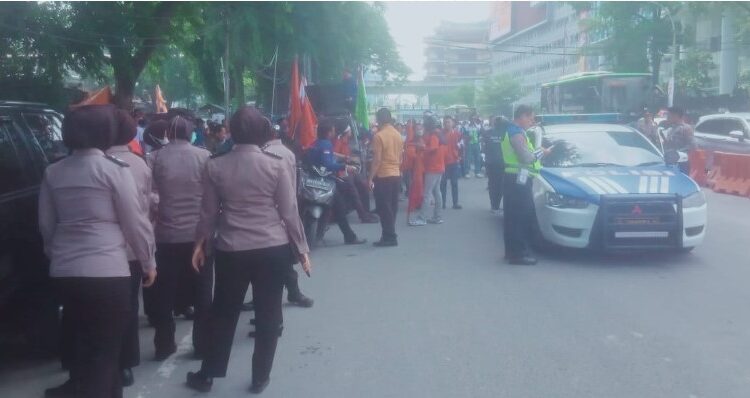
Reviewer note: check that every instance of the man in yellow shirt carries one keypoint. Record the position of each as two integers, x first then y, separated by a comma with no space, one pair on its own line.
385,175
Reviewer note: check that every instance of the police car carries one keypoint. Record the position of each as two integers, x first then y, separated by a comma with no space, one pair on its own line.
607,186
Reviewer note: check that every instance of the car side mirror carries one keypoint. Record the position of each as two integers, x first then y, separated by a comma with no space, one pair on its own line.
737,134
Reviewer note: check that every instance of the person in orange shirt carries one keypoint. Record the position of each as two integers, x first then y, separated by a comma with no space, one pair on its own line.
452,139
385,175
434,162
407,165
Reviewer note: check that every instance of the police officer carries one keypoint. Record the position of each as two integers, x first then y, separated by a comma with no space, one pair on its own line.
126,132
521,167
258,234
177,170
493,138
88,213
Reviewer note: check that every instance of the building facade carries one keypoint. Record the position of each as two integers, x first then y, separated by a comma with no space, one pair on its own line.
451,56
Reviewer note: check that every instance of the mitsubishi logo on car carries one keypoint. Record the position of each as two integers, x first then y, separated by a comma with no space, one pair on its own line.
636,210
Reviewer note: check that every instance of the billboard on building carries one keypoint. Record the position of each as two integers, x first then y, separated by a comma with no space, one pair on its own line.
500,24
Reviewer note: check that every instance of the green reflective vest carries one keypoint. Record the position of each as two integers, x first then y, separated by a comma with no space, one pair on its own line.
512,165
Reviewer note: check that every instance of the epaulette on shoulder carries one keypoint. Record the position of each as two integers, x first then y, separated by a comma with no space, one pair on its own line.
269,153
117,161
219,154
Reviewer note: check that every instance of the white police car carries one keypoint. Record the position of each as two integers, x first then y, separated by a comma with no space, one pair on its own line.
606,186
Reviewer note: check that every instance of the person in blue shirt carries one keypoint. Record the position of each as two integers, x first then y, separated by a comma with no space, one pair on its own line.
321,155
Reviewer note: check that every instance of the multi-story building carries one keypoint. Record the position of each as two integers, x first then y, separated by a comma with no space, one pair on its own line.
535,42
451,57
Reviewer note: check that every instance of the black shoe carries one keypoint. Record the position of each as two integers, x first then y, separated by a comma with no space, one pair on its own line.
249,306
457,207
355,241
257,388
300,300
163,354
65,390
126,376
525,260
197,381
369,219
385,243
188,313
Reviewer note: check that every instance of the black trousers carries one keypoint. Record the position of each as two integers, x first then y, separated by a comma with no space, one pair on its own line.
519,216
452,173
340,209
264,270
130,356
386,192
96,312
495,175
174,267
291,281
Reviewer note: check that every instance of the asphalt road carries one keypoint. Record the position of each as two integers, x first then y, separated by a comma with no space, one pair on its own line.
442,316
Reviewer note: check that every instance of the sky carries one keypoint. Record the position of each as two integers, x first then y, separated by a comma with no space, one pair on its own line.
410,22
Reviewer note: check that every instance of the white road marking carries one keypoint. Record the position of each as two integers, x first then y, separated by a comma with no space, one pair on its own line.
168,367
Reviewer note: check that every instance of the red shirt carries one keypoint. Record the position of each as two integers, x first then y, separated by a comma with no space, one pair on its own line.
341,146
434,156
452,154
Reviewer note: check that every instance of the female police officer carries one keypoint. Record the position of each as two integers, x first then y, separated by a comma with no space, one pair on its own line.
88,213
258,234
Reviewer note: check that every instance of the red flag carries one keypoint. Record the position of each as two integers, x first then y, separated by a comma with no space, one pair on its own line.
302,120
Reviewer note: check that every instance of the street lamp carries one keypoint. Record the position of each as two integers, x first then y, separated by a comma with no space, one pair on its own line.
671,88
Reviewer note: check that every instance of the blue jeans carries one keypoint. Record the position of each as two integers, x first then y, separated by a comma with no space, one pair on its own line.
473,155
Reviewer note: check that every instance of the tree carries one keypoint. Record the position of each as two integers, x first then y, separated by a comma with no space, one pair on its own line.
637,33
692,71
497,95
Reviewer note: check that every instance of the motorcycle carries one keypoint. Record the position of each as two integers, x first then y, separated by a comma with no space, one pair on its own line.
315,191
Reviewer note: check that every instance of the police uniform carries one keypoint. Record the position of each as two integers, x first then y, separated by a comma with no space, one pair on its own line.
521,166
257,234
88,213
131,350
177,170
493,139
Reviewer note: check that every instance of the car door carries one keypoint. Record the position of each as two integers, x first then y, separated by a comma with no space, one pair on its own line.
710,134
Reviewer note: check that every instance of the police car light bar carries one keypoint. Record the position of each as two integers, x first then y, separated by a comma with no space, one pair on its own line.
580,118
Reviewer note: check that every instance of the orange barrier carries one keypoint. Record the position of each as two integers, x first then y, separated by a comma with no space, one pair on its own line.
731,173
698,167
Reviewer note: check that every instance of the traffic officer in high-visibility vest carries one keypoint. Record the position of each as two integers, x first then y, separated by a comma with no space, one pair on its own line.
522,165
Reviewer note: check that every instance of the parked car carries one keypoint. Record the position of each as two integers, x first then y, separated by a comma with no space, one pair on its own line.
727,132
30,139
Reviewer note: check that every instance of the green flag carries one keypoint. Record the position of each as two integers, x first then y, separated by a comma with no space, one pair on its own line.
360,109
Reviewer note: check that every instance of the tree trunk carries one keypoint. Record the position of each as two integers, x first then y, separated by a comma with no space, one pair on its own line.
124,92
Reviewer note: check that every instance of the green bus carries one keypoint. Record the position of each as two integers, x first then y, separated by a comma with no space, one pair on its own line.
600,92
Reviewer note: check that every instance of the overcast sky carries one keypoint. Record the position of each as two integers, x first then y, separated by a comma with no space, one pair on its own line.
411,21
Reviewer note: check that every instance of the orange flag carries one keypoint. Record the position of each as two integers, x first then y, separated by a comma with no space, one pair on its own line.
302,120
101,97
159,104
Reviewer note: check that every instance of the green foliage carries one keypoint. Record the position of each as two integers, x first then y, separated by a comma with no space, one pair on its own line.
464,95
637,33
497,95
692,71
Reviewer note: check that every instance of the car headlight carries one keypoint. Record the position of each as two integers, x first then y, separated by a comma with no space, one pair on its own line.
696,199
561,201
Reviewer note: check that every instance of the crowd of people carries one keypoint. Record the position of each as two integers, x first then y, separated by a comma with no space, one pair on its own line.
208,210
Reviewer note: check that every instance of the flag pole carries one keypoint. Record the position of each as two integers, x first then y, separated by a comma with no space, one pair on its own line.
273,91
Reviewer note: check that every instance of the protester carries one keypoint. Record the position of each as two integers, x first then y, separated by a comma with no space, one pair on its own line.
155,135
495,165
434,168
177,170
679,136
199,136
321,155
407,165
473,153
217,139
258,234
415,150
385,176
355,189
89,212
647,126
452,162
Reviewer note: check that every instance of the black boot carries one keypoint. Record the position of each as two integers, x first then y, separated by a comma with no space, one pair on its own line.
199,382
300,300
258,387
126,375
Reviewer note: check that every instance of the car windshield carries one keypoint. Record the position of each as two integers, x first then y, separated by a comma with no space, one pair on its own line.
599,148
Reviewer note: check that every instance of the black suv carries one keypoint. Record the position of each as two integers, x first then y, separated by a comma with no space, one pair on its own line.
30,139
